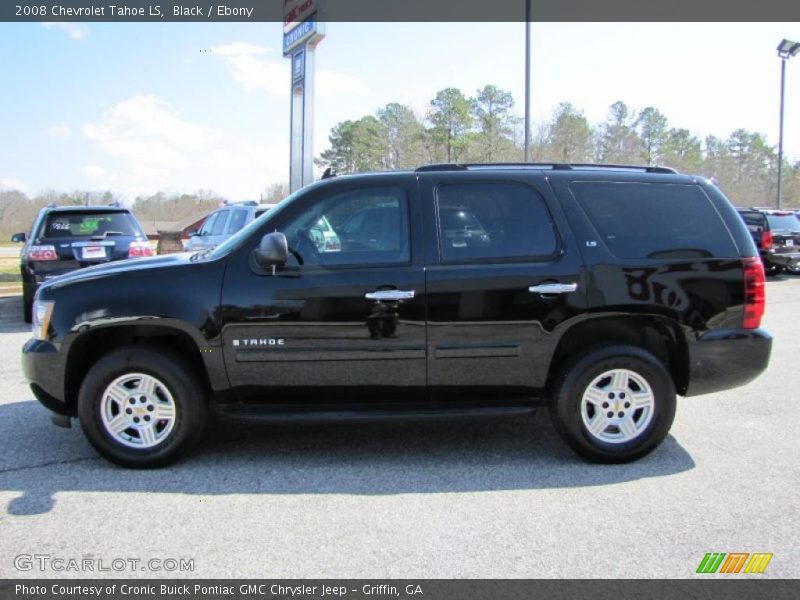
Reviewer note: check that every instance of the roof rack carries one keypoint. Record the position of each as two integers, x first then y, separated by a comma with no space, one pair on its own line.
552,166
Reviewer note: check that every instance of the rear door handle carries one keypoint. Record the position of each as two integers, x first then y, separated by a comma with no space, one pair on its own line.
553,288
390,295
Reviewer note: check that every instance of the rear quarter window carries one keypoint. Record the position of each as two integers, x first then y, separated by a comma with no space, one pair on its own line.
655,220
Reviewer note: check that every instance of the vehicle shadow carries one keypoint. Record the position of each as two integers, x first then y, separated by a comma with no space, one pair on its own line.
39,460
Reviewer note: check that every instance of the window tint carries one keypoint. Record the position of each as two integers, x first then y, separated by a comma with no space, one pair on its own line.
219,225
783,222
493,221
655,220
79,224
756,222
353,228
238,217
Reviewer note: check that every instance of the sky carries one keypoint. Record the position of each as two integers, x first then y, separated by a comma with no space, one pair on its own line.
138,108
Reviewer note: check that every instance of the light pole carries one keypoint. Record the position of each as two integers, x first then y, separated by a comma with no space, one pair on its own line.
527,80
786,49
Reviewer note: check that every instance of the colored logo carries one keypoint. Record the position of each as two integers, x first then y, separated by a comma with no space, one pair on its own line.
735,562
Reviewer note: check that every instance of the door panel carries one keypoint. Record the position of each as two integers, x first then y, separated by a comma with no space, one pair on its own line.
487,332
309,331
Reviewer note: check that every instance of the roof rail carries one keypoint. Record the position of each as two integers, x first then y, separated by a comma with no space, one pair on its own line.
536,165
441,167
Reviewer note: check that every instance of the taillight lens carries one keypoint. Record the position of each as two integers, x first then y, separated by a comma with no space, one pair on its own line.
138,249
766,240
754,297
42,253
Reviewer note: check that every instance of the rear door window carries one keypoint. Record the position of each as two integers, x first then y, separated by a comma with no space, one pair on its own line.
493,221
655,220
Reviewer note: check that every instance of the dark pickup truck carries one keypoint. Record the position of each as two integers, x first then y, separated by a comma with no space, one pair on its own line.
604,291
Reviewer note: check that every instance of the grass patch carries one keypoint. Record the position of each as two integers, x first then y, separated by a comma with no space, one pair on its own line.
9,269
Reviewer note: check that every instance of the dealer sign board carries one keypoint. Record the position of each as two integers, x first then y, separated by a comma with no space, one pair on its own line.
297,11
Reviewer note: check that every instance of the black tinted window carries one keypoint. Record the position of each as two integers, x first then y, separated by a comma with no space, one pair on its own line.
756,222
353,228
654,220
88,224
493,221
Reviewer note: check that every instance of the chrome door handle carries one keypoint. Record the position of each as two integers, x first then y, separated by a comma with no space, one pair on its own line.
553,288
390,295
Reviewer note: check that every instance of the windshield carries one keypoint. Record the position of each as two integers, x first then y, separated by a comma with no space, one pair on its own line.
239,237
783,223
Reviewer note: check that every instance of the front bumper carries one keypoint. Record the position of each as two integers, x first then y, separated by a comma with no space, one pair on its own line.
726,358
43,367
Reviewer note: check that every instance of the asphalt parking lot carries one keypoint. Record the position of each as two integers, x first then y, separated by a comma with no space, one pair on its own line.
467,499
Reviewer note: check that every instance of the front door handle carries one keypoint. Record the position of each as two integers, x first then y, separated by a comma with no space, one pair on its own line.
553,288
390,295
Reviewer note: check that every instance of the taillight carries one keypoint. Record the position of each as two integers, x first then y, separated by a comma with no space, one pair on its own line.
138,249
754,297
42,253
766,240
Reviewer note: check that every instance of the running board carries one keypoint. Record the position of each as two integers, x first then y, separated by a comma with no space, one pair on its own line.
267,413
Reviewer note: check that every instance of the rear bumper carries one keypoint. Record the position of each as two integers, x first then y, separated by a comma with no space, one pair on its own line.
782,259
727,358
43,367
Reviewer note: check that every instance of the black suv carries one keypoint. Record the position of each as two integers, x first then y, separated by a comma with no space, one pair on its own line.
776,234
603,291
65,238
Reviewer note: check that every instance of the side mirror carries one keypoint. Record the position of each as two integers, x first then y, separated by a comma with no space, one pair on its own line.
191,233
18,238
272,251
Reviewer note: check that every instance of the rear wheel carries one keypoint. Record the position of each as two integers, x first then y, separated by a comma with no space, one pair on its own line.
771,269
142,407
614,404
793,268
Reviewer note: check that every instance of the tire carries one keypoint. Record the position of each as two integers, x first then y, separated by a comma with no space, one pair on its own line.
161,384
772,270
793,268
613,380
27,302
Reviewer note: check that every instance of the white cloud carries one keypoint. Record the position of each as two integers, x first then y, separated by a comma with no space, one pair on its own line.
240,49
75,31
150,147
95,173
253,68
62,131
335,82
9,183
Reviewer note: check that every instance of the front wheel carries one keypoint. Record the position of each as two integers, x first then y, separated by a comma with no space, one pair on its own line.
142,407
614,405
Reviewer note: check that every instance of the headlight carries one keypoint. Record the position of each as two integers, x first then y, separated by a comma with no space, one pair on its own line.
42,311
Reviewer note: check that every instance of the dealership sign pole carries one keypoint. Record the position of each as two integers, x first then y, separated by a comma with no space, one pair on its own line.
303,29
